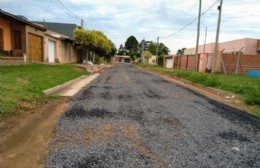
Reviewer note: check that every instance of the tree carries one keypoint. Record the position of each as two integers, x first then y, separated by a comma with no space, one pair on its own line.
121,50
131,45
147,55
162,49
94,42
181,51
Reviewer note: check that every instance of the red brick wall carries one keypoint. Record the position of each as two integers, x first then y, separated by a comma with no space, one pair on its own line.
247,62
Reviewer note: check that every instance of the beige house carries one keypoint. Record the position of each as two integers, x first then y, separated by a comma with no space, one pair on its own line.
59,48
151,61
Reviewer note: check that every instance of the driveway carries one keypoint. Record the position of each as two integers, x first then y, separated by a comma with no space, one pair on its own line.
130,118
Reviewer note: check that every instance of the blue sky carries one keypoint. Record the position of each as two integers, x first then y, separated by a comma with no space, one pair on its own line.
119,19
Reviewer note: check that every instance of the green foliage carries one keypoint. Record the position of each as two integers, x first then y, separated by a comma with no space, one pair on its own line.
121,50
97,60
25,83
95,41
147,55
181,51
131,45
162,49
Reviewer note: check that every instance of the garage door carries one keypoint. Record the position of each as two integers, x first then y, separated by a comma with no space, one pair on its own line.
51,51
169,63
35,48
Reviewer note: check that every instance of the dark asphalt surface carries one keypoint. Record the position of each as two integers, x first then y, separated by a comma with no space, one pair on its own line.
130,118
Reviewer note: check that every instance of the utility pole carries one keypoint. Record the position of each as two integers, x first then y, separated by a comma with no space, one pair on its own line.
81,23
157,50
205,39
142,50
198,37
217,37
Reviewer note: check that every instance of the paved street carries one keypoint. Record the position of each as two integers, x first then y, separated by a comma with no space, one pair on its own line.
130,118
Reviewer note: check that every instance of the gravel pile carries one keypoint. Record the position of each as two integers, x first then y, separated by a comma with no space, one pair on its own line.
131,118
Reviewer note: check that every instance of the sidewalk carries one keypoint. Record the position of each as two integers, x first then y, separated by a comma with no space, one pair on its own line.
72,87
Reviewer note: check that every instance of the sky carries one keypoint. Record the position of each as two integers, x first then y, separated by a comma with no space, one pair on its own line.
148,19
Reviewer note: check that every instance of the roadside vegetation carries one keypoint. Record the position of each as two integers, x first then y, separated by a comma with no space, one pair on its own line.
22,85
247,88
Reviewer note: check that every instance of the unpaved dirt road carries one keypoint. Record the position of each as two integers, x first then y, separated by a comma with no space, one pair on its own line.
130,118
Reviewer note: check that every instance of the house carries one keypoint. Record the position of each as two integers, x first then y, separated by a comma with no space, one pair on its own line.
122,59
23,39
168,61
248,49
151,61
59,48
59,40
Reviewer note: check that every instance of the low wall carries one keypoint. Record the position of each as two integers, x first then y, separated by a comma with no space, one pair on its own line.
11,60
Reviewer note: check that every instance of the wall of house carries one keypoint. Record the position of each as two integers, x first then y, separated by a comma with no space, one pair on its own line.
34,31
151,61
20,27
5,25
69,53
251,46
57,49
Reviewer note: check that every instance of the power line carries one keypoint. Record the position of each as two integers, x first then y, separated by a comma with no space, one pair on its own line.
47,11
68,11
188,24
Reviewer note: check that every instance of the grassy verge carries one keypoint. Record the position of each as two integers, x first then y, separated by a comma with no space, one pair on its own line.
21,86
247,88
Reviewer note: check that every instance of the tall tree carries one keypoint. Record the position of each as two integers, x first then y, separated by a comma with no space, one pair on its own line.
121,50
131,45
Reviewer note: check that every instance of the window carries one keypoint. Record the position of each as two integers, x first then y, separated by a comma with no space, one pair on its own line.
1,39
17,39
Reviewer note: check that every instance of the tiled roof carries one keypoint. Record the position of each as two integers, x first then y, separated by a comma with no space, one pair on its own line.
63,28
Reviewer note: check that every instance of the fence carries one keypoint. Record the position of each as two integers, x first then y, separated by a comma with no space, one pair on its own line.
231,63
246,62
184,62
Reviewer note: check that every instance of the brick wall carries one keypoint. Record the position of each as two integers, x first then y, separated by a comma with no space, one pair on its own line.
247,62
11,60
184,62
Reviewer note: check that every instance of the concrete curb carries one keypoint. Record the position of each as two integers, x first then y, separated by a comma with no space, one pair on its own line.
62,86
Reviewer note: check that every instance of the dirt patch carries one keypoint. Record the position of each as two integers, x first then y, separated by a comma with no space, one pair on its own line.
24,140
107,131
131,131
89,136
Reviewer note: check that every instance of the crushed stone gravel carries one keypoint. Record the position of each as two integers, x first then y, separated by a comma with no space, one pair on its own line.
130,118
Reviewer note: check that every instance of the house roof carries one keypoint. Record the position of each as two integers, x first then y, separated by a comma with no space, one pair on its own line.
62,28
20,19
